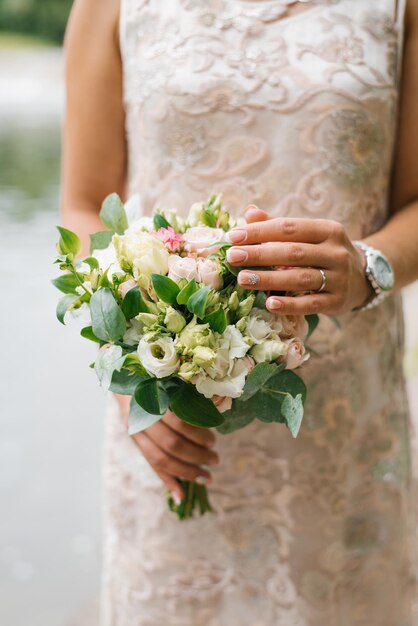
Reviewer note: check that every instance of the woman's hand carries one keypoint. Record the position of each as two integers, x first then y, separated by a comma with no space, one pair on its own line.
174,449
301,247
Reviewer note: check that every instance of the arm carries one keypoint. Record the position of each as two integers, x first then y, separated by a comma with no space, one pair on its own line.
324,243
94,165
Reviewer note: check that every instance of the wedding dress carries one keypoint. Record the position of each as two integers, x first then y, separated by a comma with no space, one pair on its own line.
296,113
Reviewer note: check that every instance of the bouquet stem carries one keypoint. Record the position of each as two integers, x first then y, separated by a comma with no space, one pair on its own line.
196,496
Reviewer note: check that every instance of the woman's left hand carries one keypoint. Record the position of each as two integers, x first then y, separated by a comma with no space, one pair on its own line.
301,247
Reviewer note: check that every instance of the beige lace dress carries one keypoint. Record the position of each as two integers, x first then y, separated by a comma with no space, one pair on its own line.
296,113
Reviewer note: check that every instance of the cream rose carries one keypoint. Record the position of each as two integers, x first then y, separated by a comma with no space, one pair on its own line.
261,325
142,253
294,326
222,403
296,353
268,351
159,357
198,238
182,267
231,385
209,271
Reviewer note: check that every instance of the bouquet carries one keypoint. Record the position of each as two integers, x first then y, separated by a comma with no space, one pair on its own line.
175,329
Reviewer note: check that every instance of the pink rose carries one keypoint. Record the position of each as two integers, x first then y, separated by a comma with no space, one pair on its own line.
126,286
169,238
249,362
294,326
222,403
296,353
198,238
182,267
209,271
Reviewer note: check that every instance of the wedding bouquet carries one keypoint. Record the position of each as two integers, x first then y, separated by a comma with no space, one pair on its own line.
175,329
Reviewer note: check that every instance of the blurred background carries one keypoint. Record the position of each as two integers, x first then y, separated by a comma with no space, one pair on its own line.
52,412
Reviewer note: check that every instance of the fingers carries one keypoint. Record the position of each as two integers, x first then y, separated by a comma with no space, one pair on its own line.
285,229
161,461
289,280
201,436
302,305
286,254
173,486
254,214
179,447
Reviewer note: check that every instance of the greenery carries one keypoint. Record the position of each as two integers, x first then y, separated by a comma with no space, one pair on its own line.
43,18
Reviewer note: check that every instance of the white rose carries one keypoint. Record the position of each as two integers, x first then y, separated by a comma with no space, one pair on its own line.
159,357
108,260
198,238
260,325
296,353
231,345
269,350
182,267
142,253
231,385
210,273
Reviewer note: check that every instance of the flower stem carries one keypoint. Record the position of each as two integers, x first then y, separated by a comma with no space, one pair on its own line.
196,497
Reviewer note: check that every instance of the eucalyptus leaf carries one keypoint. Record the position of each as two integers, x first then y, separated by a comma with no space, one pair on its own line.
108,360
151,396
217,320
292,411
133,364
165,288
108,321
139,419
235,419
63,306
187,291
133,303
100,240
313,321
124,382
258,377
68,282
69,242
113,214
193,408
198,301
260,300
87,333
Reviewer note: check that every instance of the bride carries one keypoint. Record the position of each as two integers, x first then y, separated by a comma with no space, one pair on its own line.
304,116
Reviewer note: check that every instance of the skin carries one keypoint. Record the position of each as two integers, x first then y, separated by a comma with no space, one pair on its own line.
95,164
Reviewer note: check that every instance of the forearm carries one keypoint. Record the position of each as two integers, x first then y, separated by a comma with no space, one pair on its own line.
82,219
398,240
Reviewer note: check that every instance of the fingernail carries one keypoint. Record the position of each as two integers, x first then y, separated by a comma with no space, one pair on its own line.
273,303
248,278
251,207
176,498
235,255
237,236
202,480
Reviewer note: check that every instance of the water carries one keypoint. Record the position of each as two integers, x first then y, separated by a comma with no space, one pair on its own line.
51,417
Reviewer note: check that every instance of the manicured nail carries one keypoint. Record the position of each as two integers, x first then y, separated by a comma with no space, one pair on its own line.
251,207
248,278
237,236
236,255
176,498
273,303
202,480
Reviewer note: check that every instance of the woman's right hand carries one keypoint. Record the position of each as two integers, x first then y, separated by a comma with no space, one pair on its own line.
174,449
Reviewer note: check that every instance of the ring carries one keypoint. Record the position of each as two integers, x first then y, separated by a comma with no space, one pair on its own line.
324,281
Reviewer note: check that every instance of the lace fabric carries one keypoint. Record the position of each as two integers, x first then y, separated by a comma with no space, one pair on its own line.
296,113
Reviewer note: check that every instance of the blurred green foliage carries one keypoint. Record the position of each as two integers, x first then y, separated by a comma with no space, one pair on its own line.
44,18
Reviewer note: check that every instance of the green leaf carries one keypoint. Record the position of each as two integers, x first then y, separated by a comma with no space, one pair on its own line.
133,303
87,333
68,282
113,214
108,360
108,321
292,410
313,321
100,240
198,301
187,291
151,396
208,217
124,382
268,401
133,364
160,221
217,320
193,408
165,288
258,377
92,263
69,242
63,306
139,419
260,300
235,419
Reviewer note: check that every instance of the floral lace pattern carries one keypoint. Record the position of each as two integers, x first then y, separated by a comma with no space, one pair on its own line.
298,114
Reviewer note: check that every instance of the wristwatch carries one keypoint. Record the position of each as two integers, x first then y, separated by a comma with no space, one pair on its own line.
379,272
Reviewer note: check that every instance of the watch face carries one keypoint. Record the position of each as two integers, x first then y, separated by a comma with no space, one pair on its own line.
383,273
